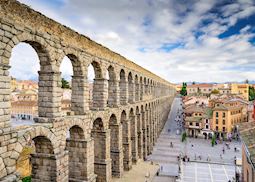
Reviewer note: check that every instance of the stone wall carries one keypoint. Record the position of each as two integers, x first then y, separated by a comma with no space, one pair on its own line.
128,112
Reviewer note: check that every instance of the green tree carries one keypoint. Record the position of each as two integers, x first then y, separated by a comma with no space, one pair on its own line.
184,136
215,91
193,83
65,84
26,179
251,93
213,140
246,81
183,91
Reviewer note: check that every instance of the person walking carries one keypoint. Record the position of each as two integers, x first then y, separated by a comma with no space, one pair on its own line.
171,144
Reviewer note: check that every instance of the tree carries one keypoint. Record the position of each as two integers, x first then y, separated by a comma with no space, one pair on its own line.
183,91
251,93
215,91
213,140
193,83
184,136
246,81
65,84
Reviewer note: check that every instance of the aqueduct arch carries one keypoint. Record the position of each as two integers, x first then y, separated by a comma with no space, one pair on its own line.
129,108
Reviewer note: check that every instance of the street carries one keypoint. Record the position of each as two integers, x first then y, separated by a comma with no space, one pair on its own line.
206,163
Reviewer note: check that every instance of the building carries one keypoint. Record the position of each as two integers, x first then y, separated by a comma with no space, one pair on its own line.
66,107
240,89
226,116
198,121
27,85
247,133
178,88
24,104
199,89
193,126
13,84
222,88
24,110
198,100
207,123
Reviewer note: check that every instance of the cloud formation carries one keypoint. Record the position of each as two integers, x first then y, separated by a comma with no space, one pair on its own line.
205,41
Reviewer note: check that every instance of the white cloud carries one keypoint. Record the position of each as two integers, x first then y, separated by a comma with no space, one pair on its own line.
127,26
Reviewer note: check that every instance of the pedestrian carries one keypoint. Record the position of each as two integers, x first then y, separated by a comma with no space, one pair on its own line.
171,144
161,168
220,156
223,150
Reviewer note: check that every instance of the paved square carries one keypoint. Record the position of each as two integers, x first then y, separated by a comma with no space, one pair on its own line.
204,172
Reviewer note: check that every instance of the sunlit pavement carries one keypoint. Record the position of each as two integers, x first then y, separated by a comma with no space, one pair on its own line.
162,153
204,172
141,172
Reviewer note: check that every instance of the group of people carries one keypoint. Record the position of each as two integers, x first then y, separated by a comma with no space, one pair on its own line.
179,118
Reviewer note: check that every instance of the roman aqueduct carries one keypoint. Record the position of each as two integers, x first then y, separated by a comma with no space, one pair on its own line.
129,108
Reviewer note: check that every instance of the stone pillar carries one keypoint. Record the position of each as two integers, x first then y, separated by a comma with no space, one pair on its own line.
5,104
155,129
100,93
131,92
140,136
134,139
50,167
127,150
116,150
141,91
113,93
144,130
81,160
49,94
137,91
148,133
151,128
103,167
123,85
80,104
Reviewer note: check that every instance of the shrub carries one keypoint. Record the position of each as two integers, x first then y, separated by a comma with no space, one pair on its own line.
27,179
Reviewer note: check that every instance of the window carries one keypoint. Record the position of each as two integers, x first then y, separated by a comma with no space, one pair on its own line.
206,121
206,126
197,124
200,114
190,123
223,122
217,128
217,114
223,129
224,115
217,121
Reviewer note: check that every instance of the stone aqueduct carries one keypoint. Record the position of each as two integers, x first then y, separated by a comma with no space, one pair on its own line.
129,108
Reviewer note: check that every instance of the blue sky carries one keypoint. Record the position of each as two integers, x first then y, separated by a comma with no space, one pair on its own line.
180,40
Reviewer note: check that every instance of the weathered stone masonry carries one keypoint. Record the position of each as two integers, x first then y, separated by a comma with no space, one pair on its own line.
128,112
